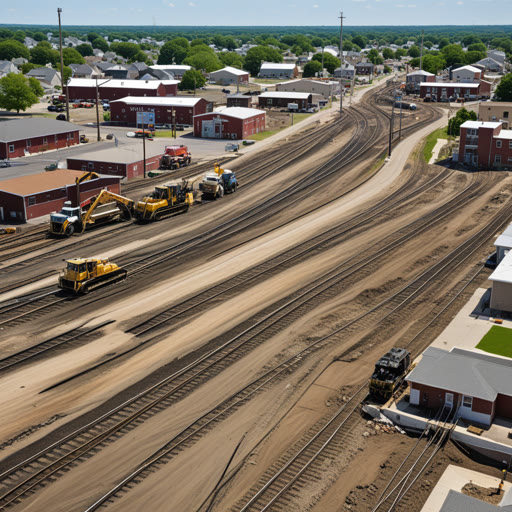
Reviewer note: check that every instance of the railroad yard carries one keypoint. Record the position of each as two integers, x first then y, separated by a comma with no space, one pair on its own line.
228,371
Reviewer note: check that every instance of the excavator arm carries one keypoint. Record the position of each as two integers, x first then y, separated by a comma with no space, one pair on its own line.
107,197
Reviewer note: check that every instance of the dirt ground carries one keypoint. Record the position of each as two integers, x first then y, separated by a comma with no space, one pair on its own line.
281,413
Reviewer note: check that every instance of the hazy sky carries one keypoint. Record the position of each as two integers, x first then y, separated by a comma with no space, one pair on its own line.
259,12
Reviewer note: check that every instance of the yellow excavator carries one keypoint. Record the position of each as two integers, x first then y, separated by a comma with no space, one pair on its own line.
105,207
165,201
83,275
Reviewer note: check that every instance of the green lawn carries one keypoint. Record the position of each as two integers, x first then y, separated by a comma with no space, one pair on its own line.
431,141
163,133
497,341
263,135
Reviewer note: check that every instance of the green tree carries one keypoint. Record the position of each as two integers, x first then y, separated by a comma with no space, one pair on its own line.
433,63
125,50
470,39
400,52
503,43
183,42
67,73
43,54
25,68
35,86
472,57
191,78
91,36
172,52
360,41
140,57
460,117
101,44
84,49
20,35
477,47
204,60
504,88
16,93
5,33
312,68
71,56
374,57
12,49
388,53
330,61
230,43
39,36
454,54
258,54
231,59
348,46
444,41
414,51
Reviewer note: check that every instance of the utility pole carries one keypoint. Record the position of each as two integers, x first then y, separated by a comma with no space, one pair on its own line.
98,106
59,10
322,61
143,144
341,62
421,51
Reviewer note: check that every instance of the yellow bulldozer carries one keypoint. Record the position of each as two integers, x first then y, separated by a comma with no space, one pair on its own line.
165,201
83,275
105,207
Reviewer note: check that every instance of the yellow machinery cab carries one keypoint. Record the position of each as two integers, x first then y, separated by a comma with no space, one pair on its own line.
162,200
82,275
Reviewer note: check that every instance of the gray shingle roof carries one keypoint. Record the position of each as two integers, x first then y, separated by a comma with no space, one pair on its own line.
43,73
20,129
462,371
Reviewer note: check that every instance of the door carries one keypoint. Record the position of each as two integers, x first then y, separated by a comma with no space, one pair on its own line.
448,399
1,213
415,397
207,129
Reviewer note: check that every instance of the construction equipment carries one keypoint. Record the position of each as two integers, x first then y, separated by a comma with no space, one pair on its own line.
175,157
83,139
389,373
8,231
83,275
216,185
165,201
103,208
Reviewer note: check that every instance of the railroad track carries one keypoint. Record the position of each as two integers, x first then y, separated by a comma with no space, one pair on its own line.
83,443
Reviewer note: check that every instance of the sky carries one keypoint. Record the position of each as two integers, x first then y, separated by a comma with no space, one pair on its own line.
258,12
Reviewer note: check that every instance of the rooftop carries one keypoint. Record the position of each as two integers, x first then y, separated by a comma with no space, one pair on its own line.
127,84
21,129
505,239
41,182
468,68
503,272
284,94
120,155
274,65
480,124
465,372
420,72
450,84
170,101
177,67
229,69
300,80
236,112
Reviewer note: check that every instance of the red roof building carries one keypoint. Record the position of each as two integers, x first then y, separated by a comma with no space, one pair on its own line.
124,111
85,88
450,91
229,123
32,196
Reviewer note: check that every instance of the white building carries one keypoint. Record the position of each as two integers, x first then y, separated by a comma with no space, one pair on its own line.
467,74
275,70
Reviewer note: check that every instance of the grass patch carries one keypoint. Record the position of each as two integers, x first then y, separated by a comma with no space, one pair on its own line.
497,341
263,135
431,141
297,118
163,133
378,163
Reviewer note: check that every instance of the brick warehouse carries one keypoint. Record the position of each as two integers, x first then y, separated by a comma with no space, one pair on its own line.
85,88
446,90
123,162
230,123
124,111
32,196
485,145
34,135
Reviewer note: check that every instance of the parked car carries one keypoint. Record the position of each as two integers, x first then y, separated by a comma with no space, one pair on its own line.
61,117
248,142
226,91
5,163
232,147
52,108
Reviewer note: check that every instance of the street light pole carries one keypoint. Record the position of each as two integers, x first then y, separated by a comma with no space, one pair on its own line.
59,10
143,145
98,106
341,62
391,126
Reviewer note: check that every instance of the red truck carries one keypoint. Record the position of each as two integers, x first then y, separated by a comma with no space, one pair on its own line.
175,157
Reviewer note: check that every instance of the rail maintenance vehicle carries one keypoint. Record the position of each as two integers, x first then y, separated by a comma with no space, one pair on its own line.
389,373
214,186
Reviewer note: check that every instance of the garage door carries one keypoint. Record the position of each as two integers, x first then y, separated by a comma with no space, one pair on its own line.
208,129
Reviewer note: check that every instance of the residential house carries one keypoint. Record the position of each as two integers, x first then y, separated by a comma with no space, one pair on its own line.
6,67
47,76
466,74
346,71
278,71
229,75
489,64
365,68
86,71
497,55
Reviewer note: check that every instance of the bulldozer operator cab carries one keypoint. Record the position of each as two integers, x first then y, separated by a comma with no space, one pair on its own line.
79,270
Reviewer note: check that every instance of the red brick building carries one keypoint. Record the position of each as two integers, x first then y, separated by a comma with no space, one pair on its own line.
476,385
29,197
439,91
281,99
229,123
124,111
23,136
85,88
119,161
485,145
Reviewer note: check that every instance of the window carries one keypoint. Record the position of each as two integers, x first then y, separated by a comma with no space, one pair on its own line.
45,140
498,143
72,135
56,139
67,136
11,148
31,201
467,401
29,143
90,165
505,115
497,159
